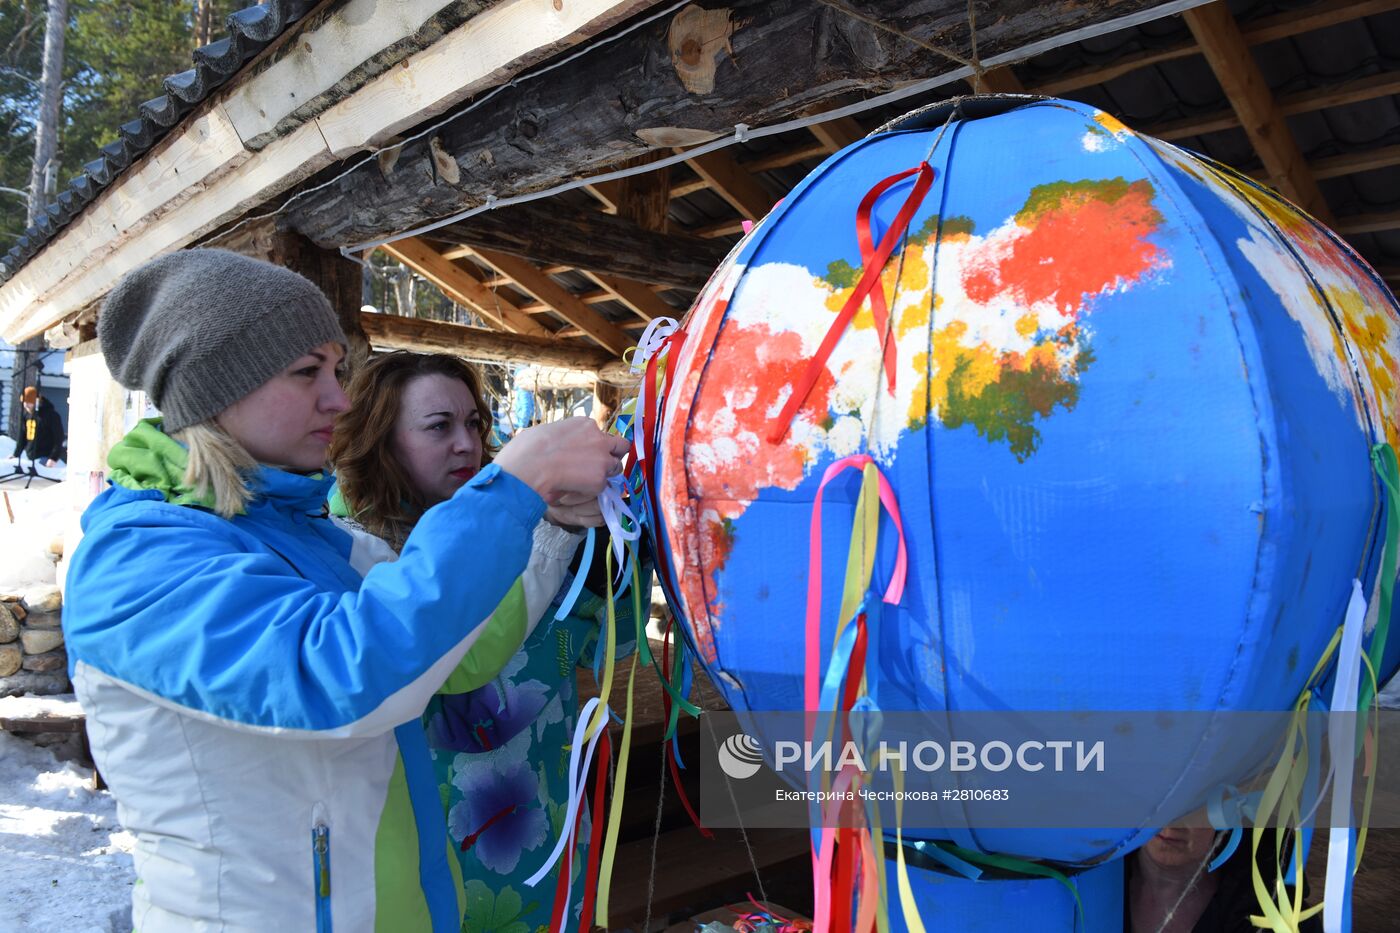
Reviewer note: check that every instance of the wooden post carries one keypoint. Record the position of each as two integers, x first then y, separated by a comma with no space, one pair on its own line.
338,277
606,398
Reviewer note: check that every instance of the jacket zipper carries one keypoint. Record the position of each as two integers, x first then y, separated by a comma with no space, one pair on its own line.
321,860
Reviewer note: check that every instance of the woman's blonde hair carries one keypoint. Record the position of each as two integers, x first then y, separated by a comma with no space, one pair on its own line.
218,467
373,484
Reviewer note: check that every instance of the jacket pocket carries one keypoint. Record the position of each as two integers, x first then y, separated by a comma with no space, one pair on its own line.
321,880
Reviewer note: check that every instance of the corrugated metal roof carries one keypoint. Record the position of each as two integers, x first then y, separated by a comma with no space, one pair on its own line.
249,32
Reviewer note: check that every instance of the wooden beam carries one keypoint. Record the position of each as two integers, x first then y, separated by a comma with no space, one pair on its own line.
496,281
834,135
732,181
780,158
635,295
462,287
533,280
593,241
1379,222
595,297
645,199
1229,57
391,332
718,229
606,193
567,123
341,280
1002,81
1322,98
1265,29
1352,163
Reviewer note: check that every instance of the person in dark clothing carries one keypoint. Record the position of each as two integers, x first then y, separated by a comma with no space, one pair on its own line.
40,429
1169,890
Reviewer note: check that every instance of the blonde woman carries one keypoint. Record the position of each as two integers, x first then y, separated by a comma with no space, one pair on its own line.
252,701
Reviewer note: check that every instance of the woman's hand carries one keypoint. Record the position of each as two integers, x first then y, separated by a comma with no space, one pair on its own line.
575,512
570,458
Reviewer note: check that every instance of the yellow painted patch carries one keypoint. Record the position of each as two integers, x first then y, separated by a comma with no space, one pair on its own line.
1110,123
1027,325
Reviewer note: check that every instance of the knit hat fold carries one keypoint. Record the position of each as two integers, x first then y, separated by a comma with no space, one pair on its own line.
197,330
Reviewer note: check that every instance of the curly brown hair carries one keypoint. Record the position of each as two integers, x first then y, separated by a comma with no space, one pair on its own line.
373,484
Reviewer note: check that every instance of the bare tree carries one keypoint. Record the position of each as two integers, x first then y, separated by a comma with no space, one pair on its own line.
203,22
44,172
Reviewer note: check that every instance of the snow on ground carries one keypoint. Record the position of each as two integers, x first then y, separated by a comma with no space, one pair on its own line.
65,863
39,516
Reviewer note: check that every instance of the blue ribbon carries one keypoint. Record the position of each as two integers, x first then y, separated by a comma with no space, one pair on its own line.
576,587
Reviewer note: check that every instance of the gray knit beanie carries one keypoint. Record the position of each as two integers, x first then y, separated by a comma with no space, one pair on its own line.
199,329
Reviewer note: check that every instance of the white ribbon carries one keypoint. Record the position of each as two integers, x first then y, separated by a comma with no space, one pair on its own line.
652,338
614,509
1342,747
577,789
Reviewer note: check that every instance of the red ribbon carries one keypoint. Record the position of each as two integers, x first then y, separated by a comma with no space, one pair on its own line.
873,259
595,842
666,749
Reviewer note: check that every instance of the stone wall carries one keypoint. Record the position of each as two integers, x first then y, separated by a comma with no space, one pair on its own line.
32,658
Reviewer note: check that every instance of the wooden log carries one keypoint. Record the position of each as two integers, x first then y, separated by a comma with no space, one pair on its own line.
391,332
340,278
596,242
604,106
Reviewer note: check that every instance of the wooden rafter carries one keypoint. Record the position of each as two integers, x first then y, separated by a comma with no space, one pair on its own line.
1265,29
835,135
1336,95
1377,222
634,295
547,235
733,182
1229,57
1002,81
463,287
1353,162
532,279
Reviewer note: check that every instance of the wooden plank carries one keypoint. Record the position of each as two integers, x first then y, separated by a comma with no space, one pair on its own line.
732,181
636,296
311,72
719,228
462,287
1265,29
567,123
391,332
691,869
595,297
483,52
593,241
780,158
1378,222
834,135
1352,163
1002,81
533,280
606,193
1337,95
1229,57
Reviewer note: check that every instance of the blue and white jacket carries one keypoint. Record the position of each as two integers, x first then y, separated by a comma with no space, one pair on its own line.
254,704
